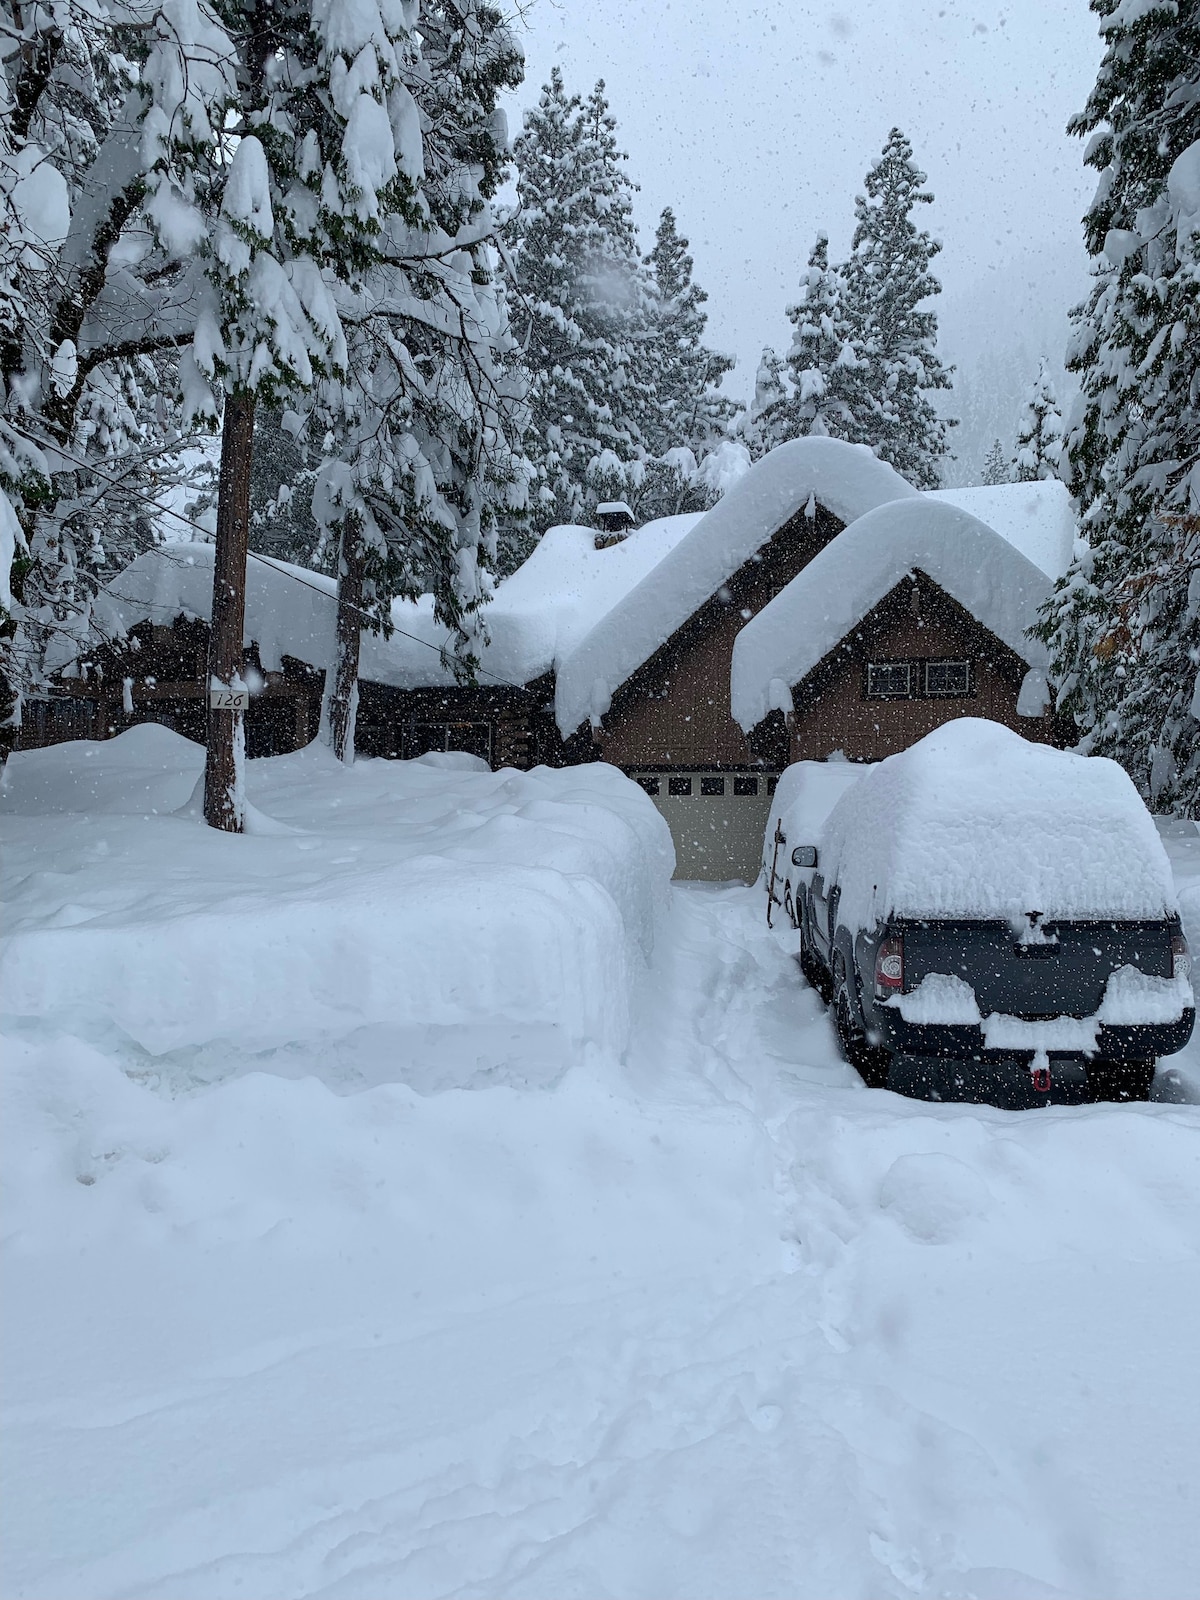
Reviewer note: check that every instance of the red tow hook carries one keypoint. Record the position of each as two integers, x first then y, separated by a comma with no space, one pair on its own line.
1040,1074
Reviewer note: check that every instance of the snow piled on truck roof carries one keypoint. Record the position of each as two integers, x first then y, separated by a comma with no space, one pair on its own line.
974,821
845,478
537,615
845,581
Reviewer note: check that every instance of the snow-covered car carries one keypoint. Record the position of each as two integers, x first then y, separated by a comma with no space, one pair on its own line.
805,795
994,919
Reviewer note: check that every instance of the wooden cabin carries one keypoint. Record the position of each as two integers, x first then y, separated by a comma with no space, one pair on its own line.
823,606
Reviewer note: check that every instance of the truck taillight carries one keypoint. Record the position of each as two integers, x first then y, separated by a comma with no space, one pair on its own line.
889,967
1181,957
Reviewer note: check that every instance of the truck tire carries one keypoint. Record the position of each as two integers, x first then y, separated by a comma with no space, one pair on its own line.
872,1064
1120,1080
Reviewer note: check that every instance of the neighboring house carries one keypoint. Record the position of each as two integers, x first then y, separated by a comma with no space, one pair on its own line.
823,605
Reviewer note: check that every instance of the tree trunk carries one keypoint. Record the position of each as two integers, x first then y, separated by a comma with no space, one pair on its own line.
343,696
224,801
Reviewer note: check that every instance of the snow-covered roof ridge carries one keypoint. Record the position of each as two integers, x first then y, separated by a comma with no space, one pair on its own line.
537,615
1038,518
846,479
842,583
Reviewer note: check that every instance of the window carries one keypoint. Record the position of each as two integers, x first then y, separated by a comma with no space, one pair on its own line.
419,738
772,785
745,784
889,680
712,785
650,782
919,680
679,786
948,679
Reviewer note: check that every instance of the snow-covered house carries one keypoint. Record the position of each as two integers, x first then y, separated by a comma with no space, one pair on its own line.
823,605
917,613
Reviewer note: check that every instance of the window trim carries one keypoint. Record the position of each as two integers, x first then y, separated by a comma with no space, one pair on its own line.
870,693
918,678
947,694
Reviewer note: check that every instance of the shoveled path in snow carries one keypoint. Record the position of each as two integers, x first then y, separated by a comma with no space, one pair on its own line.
715,1322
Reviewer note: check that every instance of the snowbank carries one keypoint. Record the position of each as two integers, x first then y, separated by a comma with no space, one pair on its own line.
1037,519
973,821
470,921
536,617
846,479
842,583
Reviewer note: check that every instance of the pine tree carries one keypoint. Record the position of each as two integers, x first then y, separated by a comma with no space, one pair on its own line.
580,312
429,416
996,466
886,279
1039,442
822,357
86,327
765,423
686,408
1121,625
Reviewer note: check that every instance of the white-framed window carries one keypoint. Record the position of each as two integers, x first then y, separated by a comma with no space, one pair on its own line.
948,680
890,680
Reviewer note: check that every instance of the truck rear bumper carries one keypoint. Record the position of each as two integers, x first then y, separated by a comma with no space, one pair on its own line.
964,1042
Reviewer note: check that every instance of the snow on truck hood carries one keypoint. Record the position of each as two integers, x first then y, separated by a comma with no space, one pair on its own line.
974,821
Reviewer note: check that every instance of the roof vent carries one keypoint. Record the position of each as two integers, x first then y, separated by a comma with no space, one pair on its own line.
615,520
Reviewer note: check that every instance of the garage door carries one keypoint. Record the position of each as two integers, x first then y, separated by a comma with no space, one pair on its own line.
717,820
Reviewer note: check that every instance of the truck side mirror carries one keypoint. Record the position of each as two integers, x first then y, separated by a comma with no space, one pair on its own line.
804,855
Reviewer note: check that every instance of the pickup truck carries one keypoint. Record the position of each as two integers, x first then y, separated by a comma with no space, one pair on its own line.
995,920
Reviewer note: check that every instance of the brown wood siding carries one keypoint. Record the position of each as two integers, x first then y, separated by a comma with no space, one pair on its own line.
914,622
674,711
166,666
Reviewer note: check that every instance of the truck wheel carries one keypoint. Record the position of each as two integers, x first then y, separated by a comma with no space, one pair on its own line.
810,965
1120,1080
870,1062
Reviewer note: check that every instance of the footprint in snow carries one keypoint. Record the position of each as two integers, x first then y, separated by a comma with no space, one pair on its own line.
933,1197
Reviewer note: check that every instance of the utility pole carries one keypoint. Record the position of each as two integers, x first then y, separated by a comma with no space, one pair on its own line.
228,696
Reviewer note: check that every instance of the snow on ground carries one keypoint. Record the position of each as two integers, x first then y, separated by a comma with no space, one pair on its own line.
704,1317
422,904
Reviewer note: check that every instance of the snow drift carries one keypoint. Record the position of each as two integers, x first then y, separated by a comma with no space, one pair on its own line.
501,915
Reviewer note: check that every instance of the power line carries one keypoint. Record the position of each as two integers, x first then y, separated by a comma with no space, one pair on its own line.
284,570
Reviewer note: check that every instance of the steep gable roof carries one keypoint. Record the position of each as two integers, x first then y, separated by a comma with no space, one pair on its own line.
846,479
1038,519
988,577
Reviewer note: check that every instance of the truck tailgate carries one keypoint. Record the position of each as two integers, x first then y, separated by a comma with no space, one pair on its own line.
1062,972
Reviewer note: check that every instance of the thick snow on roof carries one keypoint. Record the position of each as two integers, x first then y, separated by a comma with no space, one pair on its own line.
537,615
289,610
845,478
846,580
1037,519
974,821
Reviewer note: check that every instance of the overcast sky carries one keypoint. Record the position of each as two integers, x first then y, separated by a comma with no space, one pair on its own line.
757,122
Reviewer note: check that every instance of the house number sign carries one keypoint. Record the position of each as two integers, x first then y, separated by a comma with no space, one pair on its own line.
229,699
